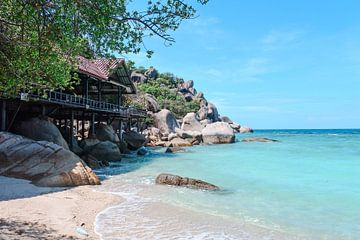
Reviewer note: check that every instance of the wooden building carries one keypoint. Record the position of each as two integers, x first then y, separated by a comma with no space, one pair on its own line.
96,98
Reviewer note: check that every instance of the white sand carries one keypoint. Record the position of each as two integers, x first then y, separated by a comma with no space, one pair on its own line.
30,212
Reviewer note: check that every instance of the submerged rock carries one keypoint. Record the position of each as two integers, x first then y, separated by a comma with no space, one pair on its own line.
219,132
175,149
175,180
258,140
44,163
179,142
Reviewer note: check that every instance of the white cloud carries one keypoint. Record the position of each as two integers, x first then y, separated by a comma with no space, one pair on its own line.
280,39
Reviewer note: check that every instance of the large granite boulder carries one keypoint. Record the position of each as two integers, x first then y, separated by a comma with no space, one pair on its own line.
138,77
244,129
165,121
188,84
202,113
40,129
175,180
179,142
44,163
151,73
104,151
226,119
134,140
199,95
219,132
151,103
212,113
191,123
106,132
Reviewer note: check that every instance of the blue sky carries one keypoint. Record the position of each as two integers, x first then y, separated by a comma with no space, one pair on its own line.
271,63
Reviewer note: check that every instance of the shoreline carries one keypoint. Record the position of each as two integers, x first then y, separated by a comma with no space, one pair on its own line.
50,213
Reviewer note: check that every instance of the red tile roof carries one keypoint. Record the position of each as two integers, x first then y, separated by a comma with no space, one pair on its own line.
99,68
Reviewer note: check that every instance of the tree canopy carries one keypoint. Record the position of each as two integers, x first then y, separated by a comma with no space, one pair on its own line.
40,39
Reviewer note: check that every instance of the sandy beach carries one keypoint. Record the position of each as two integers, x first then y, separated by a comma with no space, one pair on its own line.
30,212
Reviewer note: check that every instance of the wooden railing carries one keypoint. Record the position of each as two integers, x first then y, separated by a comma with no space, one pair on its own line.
80,102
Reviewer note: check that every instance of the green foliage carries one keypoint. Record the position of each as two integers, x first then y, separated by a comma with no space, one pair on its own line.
40,39
166,95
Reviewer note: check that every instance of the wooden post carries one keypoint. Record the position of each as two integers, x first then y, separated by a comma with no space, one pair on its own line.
119,96
83,126
71,132
120,129
99,91
93,123
43,110
3,116
87,88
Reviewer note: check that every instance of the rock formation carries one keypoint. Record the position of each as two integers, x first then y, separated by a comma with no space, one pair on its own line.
44,163
40,129
165,121
219,132
258,140
170,179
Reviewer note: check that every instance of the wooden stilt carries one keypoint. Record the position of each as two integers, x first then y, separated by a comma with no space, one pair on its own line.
83,126
71,132
43,110
93,123
120,129
3,116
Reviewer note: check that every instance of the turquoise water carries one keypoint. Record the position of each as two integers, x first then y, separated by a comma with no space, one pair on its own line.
307,184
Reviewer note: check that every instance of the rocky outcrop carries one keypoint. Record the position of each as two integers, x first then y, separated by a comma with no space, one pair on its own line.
104,151
165,121
44,163
40,130
226,119
175,180
219,132
258,140
245,130
105,132
134,140
138,77
191,123
151,73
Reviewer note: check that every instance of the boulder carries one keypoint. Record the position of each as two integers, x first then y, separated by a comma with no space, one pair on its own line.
93,162
179,142
245,130
44,163
40,130
175,149
151,73
226,119
106,132
188,84
191,123
151,103
235,126
175,180
192,91
123,147
138,77
88,143
172,135
188,97
258,140
134,140
105,151
212,112
202,113
199,95
219,132
165,121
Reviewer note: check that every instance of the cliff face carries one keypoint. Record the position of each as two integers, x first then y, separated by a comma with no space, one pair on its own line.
177,110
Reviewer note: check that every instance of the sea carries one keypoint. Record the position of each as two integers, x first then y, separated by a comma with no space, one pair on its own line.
305,186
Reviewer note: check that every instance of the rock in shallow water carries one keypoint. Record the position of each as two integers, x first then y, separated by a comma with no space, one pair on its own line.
175,149
219,132
258,140
44,163
175,180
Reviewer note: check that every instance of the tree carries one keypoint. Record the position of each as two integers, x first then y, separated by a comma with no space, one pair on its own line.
40,39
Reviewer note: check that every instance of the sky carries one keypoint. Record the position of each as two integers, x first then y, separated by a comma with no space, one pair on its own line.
271,64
